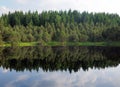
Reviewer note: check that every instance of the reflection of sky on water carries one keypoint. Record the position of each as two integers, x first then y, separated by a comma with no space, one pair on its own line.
108,77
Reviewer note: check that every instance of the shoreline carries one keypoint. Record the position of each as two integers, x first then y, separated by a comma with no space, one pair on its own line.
22,44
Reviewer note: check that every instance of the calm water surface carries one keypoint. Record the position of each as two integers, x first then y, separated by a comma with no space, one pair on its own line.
60,67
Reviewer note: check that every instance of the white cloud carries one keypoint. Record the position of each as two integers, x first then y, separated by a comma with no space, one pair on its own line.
5,10
92,78
5,70
18,79
81,5
111,6
22,1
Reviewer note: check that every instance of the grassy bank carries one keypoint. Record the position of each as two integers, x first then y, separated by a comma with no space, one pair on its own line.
83,43
20,44
64,44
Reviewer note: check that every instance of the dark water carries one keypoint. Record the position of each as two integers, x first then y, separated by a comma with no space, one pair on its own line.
60,67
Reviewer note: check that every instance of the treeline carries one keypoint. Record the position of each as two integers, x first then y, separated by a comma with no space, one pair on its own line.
59,58
71,26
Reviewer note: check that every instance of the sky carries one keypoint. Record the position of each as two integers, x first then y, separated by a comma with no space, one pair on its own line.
107,6
108,77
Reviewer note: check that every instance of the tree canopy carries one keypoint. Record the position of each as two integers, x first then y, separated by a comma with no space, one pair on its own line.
59,26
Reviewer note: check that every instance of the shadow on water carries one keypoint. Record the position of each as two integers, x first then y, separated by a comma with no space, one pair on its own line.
59,58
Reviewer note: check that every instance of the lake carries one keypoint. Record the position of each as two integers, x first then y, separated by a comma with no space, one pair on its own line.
60,66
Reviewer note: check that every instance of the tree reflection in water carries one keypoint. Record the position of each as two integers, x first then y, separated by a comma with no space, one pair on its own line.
59,58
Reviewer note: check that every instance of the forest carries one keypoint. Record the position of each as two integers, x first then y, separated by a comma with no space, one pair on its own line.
59,26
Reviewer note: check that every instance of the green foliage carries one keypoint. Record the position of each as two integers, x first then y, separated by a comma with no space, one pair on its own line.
112,34
1,30
1,41
46,37
61,26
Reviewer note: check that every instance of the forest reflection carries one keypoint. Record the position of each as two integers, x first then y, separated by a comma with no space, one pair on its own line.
59,58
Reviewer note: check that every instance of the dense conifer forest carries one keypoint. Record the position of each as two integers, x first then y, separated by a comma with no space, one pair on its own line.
60,26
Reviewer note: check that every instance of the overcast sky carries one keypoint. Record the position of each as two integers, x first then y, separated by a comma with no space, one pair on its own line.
108,6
